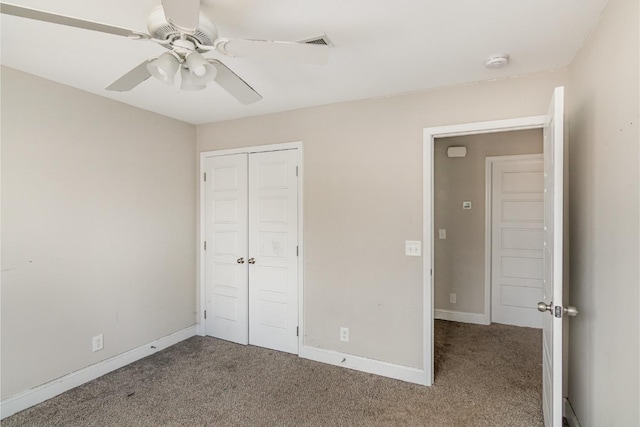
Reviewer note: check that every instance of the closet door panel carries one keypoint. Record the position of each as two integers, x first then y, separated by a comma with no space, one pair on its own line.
273,246
226,216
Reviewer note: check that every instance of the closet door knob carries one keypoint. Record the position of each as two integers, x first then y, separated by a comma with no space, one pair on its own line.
240,260
545,307
252,261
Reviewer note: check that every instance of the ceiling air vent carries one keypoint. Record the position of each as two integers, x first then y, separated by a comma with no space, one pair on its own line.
321,40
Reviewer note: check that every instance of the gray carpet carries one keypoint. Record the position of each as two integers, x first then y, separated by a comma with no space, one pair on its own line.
485,376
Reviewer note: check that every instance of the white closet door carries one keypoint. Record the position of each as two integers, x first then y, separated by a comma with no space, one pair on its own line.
273,241
517,263
226,228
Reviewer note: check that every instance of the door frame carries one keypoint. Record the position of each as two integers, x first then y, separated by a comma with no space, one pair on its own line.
488,225
201,304
429,136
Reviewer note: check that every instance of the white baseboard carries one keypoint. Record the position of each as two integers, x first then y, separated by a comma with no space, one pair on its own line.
358,363
53,388
200,330
460,316
569,414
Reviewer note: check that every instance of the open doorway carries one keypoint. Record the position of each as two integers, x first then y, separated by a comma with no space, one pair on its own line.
488,191
488,194
553,348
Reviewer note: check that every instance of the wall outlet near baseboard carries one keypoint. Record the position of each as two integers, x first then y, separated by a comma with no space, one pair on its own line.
452,298
98,342
344,334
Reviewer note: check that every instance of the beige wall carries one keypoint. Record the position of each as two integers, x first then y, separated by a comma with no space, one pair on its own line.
603,120
98,207
98,228
460,259
363,199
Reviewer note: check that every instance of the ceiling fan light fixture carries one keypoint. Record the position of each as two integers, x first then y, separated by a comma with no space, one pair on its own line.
196,64
189,82
202,72
164,68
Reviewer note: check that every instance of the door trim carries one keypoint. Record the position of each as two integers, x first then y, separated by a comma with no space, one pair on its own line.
201,303
488,222
429,136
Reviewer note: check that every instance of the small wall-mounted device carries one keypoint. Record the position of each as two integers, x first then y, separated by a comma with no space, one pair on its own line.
456,151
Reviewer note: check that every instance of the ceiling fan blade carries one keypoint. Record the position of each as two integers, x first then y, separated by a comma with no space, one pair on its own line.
306,53
131,79
183,14
233,84
38,15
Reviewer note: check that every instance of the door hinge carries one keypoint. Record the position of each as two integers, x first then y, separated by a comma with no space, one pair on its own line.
205,315
205,177
431,272
297,331
205,245
296,170
297,250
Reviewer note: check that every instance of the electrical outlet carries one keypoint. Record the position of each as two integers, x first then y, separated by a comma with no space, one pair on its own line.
98,342
344,334
452,298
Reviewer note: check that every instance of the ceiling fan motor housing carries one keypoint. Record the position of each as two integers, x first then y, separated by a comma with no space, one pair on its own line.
159,28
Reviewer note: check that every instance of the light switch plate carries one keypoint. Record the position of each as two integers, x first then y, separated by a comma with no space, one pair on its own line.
442,233
413,248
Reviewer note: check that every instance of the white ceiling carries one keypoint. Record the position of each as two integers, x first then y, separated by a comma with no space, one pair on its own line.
381,48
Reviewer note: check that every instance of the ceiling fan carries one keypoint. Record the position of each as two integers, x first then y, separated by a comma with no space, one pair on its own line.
187,33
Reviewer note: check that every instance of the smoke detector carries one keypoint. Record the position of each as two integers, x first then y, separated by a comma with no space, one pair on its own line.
497,61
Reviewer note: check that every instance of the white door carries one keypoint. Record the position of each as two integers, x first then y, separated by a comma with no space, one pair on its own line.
273,250
517,208
251,228
226,239
552,282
